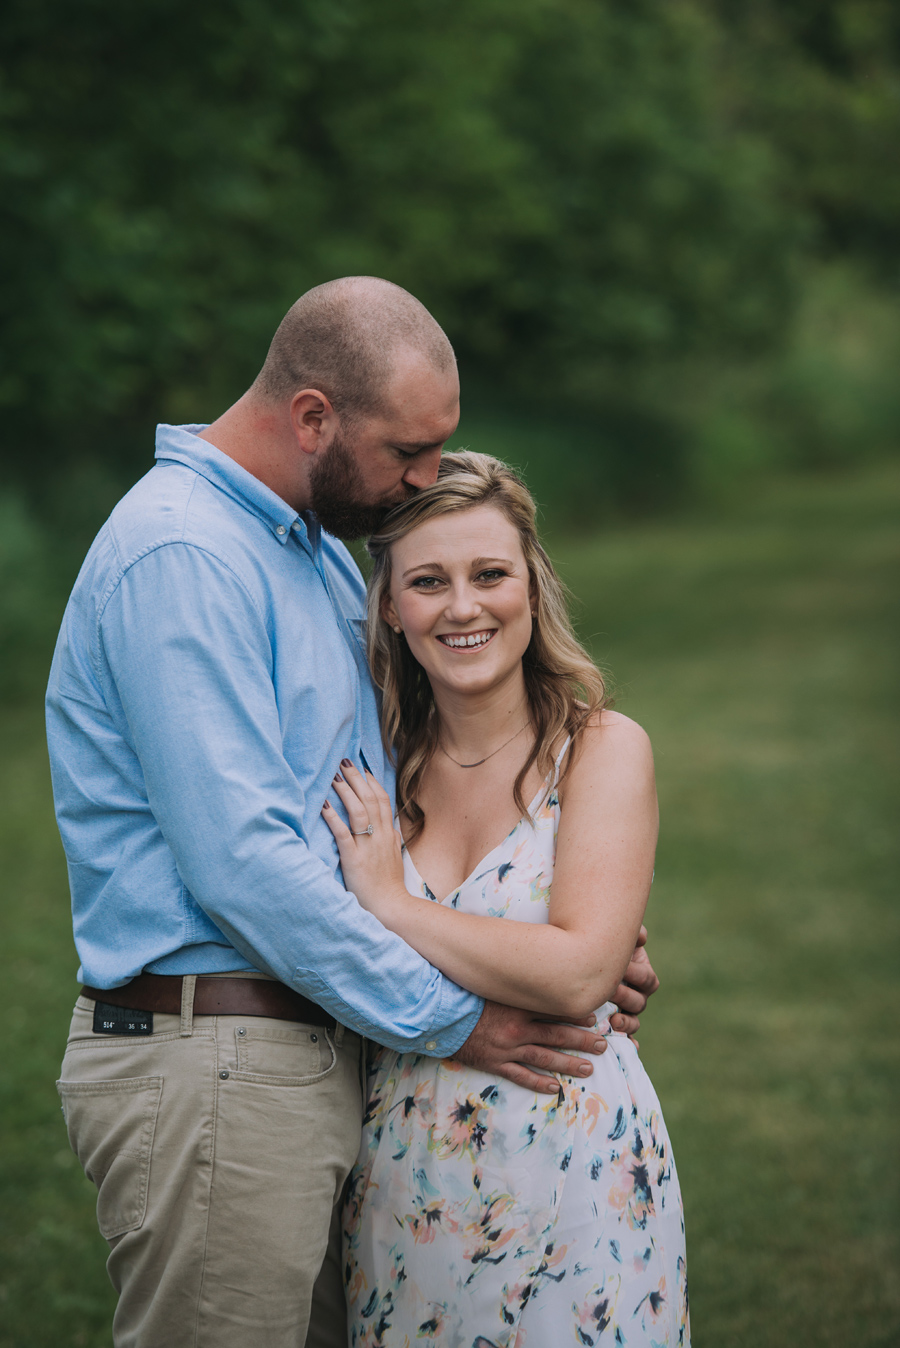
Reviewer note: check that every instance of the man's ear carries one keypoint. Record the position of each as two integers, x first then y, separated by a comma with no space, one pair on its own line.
313,420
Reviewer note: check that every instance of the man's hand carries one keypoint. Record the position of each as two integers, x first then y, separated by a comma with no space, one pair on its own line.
638,984
508,1042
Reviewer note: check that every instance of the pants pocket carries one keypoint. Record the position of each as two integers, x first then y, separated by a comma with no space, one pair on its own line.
284,1057
273,1050
111,1125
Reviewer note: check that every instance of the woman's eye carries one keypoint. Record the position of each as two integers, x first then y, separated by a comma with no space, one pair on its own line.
426,582
491,575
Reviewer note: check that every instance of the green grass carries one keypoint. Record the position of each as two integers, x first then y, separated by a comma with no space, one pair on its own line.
760,651
760,654
53,1286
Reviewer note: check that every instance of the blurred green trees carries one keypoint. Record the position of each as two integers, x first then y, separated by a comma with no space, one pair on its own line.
618,210
662,234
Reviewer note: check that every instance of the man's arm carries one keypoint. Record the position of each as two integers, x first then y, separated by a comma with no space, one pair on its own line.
186,667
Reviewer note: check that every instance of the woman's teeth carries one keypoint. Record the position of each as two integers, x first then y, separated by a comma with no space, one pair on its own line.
478,639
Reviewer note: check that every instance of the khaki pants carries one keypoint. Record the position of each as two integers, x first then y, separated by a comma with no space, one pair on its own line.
219,1146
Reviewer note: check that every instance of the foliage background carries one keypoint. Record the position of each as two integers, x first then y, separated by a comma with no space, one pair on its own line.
663,237
671,224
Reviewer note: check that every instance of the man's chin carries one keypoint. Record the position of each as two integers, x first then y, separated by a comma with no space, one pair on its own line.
349,522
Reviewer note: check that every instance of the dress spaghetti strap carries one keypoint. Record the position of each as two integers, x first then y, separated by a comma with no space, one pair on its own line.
559,758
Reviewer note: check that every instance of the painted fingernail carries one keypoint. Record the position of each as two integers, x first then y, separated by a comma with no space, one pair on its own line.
326,806
338,777
345,763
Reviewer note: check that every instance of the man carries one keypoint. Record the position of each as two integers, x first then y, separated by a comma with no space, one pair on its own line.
208,681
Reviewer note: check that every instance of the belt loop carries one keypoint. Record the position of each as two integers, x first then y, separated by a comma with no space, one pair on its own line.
188,984
338,1034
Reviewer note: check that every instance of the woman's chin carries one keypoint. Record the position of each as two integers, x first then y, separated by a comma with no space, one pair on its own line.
472,682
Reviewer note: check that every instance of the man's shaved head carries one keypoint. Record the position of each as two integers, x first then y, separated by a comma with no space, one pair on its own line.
343,338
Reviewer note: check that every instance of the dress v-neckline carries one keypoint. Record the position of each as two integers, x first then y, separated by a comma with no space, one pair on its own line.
546,787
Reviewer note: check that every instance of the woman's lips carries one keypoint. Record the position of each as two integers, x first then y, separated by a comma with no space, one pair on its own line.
466,641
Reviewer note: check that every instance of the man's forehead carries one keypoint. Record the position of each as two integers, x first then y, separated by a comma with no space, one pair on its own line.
424,426
421,388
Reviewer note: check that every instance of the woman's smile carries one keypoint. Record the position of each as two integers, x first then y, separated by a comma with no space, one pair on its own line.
466,641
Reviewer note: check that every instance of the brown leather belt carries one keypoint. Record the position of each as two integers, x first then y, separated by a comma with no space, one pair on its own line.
214,997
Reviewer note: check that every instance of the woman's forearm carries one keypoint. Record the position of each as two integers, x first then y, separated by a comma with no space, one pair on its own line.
537,966
601,871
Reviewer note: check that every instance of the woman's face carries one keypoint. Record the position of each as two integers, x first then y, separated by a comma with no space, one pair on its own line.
460,590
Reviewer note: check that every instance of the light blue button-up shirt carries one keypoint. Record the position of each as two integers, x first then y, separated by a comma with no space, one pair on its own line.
209,677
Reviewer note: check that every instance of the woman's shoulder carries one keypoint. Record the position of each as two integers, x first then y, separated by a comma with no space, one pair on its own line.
611,722
608,743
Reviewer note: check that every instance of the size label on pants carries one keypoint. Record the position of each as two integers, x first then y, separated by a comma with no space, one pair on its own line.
120,1020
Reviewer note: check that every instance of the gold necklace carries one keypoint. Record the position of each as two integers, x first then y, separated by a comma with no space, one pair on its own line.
487,756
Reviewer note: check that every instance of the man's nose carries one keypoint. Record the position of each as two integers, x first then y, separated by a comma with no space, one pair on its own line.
423,471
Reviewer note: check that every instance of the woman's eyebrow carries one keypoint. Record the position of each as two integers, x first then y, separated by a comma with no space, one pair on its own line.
423,566
477,563
491,561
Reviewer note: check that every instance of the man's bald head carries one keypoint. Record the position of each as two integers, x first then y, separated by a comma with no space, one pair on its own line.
343,338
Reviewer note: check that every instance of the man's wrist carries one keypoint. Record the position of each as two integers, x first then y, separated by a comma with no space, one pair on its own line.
447,1043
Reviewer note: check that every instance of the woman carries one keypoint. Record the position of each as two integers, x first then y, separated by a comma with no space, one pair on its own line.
482,1214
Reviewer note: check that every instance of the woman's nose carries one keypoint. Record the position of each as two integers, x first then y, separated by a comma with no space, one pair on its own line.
463,604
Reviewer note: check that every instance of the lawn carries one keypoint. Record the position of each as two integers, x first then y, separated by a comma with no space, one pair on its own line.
760,651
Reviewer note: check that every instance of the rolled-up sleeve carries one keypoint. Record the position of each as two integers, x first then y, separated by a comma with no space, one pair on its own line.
186,662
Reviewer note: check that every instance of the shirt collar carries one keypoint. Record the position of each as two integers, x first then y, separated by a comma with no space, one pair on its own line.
183,445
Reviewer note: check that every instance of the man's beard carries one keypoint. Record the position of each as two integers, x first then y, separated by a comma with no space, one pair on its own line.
335,488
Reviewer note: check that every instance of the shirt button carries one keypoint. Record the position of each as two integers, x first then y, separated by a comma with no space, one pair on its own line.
431,1045
281,529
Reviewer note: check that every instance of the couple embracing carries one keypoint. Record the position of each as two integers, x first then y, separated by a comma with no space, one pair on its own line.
342,948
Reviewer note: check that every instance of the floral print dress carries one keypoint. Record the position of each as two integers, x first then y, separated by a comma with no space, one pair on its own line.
483,1215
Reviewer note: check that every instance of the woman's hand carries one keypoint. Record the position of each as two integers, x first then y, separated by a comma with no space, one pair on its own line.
370,848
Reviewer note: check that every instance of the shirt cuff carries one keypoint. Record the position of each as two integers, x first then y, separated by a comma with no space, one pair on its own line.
444,1043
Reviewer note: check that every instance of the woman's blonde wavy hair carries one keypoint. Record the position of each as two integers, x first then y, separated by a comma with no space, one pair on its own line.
563,685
